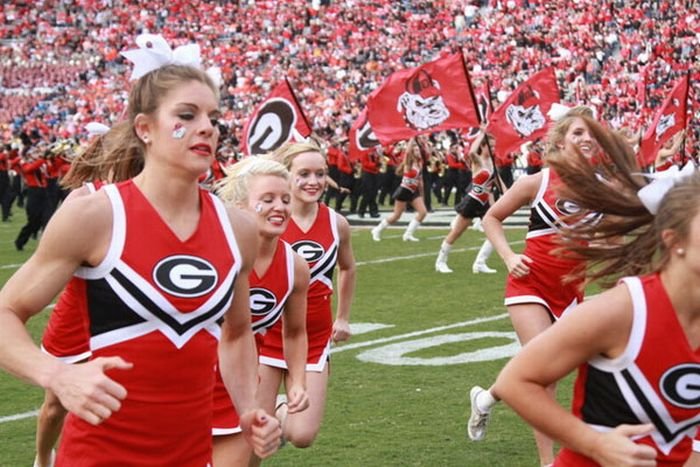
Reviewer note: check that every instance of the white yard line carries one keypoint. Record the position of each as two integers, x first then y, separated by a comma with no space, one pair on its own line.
19,416
418,255
471,322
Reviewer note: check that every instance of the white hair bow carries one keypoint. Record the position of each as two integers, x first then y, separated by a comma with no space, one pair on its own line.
558,111
652,194
154,53
96,129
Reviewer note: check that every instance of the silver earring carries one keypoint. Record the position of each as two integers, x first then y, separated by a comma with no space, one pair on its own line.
680,251
145,139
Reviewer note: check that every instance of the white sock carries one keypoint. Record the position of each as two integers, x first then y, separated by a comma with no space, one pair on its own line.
484,401
484,252
382,225
412,226
445,247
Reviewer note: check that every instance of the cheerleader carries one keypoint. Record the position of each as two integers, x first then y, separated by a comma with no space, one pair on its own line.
410,191
322,238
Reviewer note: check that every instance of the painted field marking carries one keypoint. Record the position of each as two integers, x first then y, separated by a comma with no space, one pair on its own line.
19,416
384,340
359,328
391,259
394,354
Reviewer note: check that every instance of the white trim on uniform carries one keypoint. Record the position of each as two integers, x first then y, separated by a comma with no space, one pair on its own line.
68,359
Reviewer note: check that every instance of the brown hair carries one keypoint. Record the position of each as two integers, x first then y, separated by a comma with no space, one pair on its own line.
557,133
119,154
627,239
409,153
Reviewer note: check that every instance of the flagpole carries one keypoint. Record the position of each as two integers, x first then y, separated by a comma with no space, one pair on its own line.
685,117
499,182
296,101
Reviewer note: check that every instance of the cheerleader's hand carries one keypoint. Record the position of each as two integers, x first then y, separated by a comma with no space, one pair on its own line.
616,449
519,265
341,331
262,432
297,399
87,391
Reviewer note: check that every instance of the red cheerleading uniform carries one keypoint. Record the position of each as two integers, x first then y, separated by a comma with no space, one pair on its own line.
482,183
408,189
66,336
476,202
655,381
155,301
411,178
319,247
544,283
268,295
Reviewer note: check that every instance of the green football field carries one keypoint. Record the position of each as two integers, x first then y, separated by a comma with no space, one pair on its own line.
398,392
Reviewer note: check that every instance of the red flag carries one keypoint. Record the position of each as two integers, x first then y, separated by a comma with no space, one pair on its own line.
361,137
523,116
275,121
485,107
669,120
433,97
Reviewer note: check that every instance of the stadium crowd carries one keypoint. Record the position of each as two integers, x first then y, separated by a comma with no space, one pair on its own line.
61,66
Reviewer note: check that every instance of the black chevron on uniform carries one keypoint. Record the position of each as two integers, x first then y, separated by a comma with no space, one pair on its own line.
154,309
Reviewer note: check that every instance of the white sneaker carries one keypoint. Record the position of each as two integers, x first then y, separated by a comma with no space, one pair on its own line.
478,420
376,234
442,267
410,238
482,268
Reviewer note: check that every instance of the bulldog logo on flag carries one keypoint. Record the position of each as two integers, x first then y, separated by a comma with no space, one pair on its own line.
433,97
422,104
671,117
526,119
665,122
523,115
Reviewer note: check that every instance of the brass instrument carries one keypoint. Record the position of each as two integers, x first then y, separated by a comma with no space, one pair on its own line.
383,163
357,170
437,163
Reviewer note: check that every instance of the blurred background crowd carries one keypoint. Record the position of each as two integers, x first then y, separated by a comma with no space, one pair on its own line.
61,68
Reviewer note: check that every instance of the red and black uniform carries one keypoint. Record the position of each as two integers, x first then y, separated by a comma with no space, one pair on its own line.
476,202
388,180
54,168
370,183
455,177
653,381
332,155
34,176
346,179
543,284
67,335
155,301
268,296
410,187
319,247
5,184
